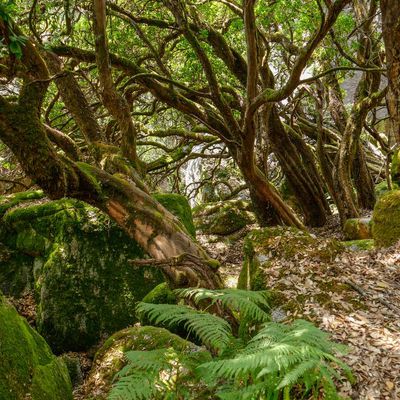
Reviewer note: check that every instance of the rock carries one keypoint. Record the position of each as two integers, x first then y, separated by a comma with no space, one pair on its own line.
395,167
161,294
357,229
75,258
358,245
386,219
74,368
262,246
28,369
382,188
110,358
223,218
180,207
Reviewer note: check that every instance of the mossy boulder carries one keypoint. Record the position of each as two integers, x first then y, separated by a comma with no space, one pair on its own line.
262,247
180,207
395,167
28,368
386,219
357,229
223,218
161,294
76,259
110,358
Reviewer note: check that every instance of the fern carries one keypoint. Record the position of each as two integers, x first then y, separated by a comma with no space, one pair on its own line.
213,331
277,361
250,305
290,353
150,374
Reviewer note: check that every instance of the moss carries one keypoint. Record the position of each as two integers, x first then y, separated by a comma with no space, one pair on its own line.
110,359
28,369
386,219
87,170
357,229
7,202
77,260
161,294
223,218
78,256
179,206
395,167
382,188
356,245
74,368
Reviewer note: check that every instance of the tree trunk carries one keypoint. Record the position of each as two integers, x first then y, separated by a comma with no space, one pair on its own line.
390,10
306,186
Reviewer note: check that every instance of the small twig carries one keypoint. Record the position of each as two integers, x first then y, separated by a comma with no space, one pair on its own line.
363,293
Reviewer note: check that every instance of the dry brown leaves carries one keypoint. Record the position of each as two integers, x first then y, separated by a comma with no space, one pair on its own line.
356,298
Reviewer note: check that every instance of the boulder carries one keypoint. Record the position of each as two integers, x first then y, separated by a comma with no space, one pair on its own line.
110,358
76,259
224,217
265,245
386,219
357,229
28,368
395,167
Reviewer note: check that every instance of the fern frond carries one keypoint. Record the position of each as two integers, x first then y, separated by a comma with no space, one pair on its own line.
250,304
212,330
148,374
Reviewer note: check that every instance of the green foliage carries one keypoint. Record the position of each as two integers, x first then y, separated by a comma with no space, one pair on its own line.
210,329
273,361
16,42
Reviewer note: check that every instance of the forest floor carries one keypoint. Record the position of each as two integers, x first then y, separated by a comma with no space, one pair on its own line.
356,298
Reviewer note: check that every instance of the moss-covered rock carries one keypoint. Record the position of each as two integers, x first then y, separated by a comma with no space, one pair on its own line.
110,358
223,218
386,219
357,229
161,294
359,245
381,188
395,167
263,246
76,259
28,369
180,207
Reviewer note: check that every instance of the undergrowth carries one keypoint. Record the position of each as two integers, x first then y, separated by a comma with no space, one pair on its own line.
253,357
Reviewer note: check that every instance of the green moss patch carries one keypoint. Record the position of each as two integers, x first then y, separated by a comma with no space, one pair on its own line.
359,245
179,206
386,219
28,369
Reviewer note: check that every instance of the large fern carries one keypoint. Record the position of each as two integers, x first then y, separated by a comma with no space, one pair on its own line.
293,355
277,361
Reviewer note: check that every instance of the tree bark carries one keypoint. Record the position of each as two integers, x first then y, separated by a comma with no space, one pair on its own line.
390,10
